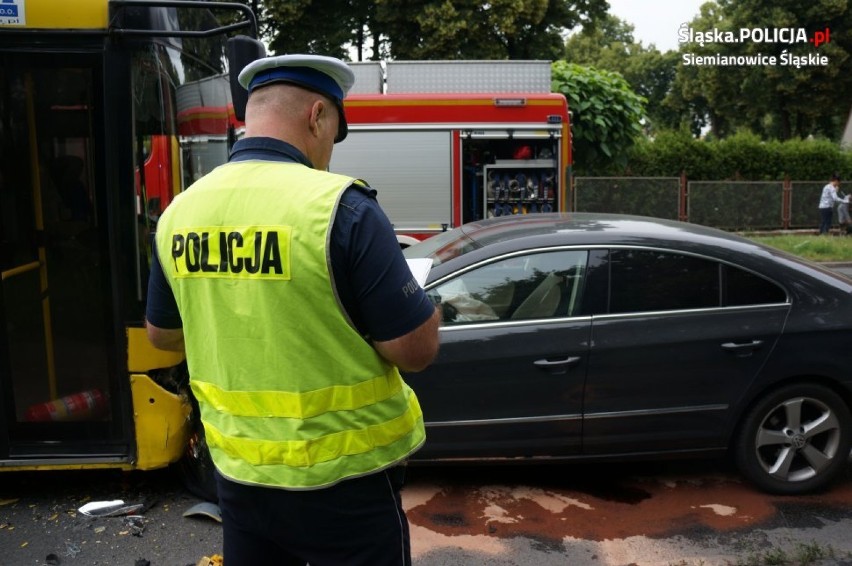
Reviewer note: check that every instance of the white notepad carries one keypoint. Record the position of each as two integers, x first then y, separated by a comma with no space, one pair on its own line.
420,268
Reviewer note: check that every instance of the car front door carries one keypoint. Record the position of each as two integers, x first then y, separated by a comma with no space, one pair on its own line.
682,338
509,377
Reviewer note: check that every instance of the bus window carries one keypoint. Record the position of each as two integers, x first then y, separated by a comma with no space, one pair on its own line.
183,120
183,117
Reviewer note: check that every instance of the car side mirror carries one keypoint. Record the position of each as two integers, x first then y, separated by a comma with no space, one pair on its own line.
242,50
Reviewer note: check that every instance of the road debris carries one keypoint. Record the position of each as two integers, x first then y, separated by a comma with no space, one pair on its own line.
205,509
215,560
72,549
114,508
133,525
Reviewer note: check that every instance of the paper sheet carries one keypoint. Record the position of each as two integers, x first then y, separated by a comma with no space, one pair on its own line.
420,268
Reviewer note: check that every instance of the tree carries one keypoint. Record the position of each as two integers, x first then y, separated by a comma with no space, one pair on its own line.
466,29
608,44
423,29
708,96
778,100
303,26
606,115
811,100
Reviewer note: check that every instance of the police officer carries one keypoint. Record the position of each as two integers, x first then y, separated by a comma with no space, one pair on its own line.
286,287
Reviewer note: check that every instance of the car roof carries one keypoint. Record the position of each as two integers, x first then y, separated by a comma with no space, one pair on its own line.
506,234
591,228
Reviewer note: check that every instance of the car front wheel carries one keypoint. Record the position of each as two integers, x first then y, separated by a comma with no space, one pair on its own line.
795,440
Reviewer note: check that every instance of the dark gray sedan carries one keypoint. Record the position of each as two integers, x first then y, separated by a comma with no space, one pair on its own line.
582,336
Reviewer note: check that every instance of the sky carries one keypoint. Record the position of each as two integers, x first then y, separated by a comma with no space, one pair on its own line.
656,21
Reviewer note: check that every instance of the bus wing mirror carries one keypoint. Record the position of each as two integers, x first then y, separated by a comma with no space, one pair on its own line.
242,50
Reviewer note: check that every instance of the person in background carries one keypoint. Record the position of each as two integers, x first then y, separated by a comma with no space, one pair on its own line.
288,291
827,200
843,217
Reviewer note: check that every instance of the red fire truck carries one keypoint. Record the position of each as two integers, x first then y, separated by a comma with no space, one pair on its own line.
449,142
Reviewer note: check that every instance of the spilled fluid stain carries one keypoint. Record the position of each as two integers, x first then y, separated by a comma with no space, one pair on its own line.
448,520
635,507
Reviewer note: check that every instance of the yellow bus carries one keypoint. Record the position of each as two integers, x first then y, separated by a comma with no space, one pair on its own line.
107,109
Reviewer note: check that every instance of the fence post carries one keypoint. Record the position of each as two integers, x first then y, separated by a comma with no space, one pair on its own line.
571,205
786,203
684,215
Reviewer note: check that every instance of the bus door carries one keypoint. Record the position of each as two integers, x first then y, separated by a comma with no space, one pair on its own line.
58,344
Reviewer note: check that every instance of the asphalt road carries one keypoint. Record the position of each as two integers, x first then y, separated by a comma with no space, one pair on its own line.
40,522
674,513
666,514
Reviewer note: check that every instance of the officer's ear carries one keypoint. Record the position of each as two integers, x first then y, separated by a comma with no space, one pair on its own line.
318,117
323,118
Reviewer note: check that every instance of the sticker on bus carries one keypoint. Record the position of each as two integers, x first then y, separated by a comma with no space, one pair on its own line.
12,13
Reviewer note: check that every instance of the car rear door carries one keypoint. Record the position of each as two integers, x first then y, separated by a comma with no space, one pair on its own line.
681,339
509,377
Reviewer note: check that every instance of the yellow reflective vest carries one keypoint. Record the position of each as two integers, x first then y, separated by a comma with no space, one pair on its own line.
290,394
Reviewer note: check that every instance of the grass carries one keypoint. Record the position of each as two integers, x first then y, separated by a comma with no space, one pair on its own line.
810,246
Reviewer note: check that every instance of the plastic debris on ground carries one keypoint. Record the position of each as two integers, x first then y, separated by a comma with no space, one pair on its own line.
205,509
114,508
134,525
72,549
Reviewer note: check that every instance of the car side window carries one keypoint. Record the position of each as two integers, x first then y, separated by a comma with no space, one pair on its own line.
533,286
652,280
745,288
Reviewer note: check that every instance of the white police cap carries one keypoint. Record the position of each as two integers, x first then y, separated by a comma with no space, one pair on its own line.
326,75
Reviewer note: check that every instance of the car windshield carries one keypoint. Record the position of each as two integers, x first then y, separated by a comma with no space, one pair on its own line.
443,247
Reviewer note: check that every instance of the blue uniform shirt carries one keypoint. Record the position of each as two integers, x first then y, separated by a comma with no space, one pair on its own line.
367,265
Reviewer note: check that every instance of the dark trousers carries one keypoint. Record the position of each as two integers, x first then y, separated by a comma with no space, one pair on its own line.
825,220
356,522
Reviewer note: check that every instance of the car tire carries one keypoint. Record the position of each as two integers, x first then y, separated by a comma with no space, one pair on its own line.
795,440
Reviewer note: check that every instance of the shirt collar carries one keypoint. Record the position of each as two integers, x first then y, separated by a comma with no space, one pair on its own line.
267,149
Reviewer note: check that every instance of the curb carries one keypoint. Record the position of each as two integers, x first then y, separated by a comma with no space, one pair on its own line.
834,264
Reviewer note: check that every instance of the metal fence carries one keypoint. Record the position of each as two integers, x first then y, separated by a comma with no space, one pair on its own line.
736,206
646,196
804,197
730,205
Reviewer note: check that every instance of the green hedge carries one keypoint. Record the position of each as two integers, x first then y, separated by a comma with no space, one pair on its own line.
740,157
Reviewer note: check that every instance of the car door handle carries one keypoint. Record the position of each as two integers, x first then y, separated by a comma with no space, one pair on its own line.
742,349
557,366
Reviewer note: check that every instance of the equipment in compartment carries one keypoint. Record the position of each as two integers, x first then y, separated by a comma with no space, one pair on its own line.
519,187
510,172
